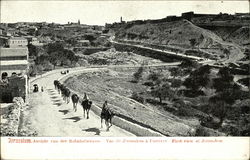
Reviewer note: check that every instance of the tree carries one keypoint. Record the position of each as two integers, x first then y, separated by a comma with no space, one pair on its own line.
54,47
176,84
32,71
41,59
47,66
198,79
220,110
247,53
192,42
224,80
226,52
189,64
201,38
32,50
162,92
225,73
155,76
138,75
55,58
71,41
175,71
229,94
91,39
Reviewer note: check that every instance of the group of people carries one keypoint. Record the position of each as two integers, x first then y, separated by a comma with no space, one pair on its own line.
36,88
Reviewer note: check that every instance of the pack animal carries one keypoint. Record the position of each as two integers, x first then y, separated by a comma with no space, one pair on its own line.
66,94
107,115
75,100
86,105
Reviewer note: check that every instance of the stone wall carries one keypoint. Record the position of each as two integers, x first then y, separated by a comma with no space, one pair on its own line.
10,116
149,53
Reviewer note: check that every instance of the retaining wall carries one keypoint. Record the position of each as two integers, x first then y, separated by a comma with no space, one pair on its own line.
123,123
12,116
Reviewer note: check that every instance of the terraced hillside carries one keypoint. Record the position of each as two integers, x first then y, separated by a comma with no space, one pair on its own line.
182,35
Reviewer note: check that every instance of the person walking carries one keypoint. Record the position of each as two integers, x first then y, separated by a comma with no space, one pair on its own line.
85,98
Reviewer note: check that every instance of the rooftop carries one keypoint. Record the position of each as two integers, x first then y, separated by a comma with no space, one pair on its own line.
17,38
13,52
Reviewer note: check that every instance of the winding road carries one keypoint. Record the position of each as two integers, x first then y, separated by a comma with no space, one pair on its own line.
51,116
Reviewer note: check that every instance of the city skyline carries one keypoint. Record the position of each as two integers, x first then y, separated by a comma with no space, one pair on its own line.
101,12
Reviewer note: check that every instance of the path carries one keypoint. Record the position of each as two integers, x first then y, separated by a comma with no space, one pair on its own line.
51,116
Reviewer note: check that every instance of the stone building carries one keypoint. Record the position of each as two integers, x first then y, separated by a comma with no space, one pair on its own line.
16,42
14,69
14,60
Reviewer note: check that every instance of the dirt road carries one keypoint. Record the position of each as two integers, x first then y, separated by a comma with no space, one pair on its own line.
49,115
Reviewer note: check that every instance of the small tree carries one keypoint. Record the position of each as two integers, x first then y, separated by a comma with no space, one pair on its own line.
220,110
175,71
198,79
162,92
224,80
33,51
189,64
192,42
138,75
176,84
155,77
226,52
54,47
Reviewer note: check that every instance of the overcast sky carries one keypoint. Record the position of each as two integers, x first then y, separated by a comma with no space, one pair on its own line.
101,12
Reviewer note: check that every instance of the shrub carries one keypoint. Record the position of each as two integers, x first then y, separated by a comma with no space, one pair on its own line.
138,75
148,84
192,93
48,66
137,97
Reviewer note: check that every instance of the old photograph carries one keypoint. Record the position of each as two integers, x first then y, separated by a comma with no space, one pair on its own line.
125,68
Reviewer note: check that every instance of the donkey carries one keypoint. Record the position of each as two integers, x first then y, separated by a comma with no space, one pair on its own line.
107,115
75,100
86,105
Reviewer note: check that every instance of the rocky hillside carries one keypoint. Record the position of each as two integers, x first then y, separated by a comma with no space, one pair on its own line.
178,33
241,36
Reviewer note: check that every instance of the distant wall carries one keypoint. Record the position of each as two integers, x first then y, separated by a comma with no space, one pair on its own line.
148,53
88,51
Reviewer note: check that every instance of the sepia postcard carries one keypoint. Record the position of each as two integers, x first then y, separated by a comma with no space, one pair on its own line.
124,79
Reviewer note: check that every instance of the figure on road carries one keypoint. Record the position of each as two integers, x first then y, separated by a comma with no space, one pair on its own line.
107,115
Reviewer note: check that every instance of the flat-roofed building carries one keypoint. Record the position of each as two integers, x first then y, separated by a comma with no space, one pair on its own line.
14,60
16,42
14,64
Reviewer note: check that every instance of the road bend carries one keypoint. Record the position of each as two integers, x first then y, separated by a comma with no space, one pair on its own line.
51,116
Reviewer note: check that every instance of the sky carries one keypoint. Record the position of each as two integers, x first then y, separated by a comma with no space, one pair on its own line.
101,12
